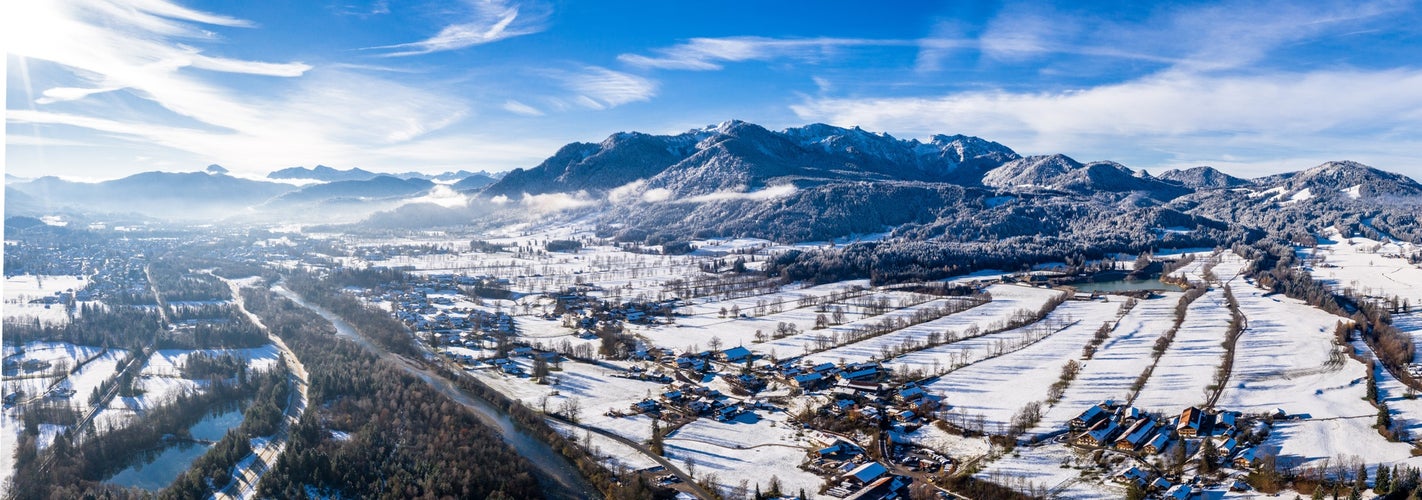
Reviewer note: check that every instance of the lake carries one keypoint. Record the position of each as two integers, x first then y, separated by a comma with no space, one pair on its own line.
1125,286
155,470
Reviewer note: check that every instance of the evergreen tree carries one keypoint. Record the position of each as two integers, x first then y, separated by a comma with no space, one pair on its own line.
1209,455
656,442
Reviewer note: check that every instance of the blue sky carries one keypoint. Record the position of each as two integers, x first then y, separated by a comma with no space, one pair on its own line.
105,88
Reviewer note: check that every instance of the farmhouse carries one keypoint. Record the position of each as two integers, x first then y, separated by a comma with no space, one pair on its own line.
1133,475
1157,444
808,381
867,473
1100,435
839,450
891,487
1245,458
1089,417
1193,422
1136,435
736,354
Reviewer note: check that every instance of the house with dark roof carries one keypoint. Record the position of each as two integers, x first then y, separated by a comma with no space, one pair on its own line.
1089,417
1157,444
1193,422
1245,458
1101,435
808,381
1136,435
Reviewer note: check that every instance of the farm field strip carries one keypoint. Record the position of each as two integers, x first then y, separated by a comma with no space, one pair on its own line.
1007,300
811,340
1116,364
998,387
1187,368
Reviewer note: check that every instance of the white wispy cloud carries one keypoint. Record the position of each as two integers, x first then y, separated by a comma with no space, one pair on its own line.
332,115
1226,35
601,88
62,94
520,108
556,202
1271,112
702,54
226,65
488,21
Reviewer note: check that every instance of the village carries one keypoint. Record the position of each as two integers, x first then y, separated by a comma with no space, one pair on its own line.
705,374
854,417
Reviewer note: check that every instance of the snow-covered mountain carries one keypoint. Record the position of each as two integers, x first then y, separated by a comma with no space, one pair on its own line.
1345,178
1204,178
737,155
322,173
804,183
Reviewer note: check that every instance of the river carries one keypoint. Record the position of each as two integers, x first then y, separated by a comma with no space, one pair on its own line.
557,477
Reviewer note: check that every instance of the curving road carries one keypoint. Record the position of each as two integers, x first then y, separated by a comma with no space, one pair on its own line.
251,468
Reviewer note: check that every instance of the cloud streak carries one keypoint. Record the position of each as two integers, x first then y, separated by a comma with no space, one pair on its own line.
1298,111
520,108
601,88
705,54
339,116
488,21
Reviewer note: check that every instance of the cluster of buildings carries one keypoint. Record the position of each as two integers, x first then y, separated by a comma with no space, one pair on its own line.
429,306
1138,434
578,306
694,400
854,476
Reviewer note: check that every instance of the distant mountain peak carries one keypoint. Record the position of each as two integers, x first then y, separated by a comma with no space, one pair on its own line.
322,173
1204,177
216,169
1351,178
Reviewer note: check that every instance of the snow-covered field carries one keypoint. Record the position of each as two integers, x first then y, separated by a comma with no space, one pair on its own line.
591,386
169,362
1286,359
1411,323
1188,367
20,290
1007,301
750,448
1369,267
1116,364
1041,469
1406,412
697,330
998,387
